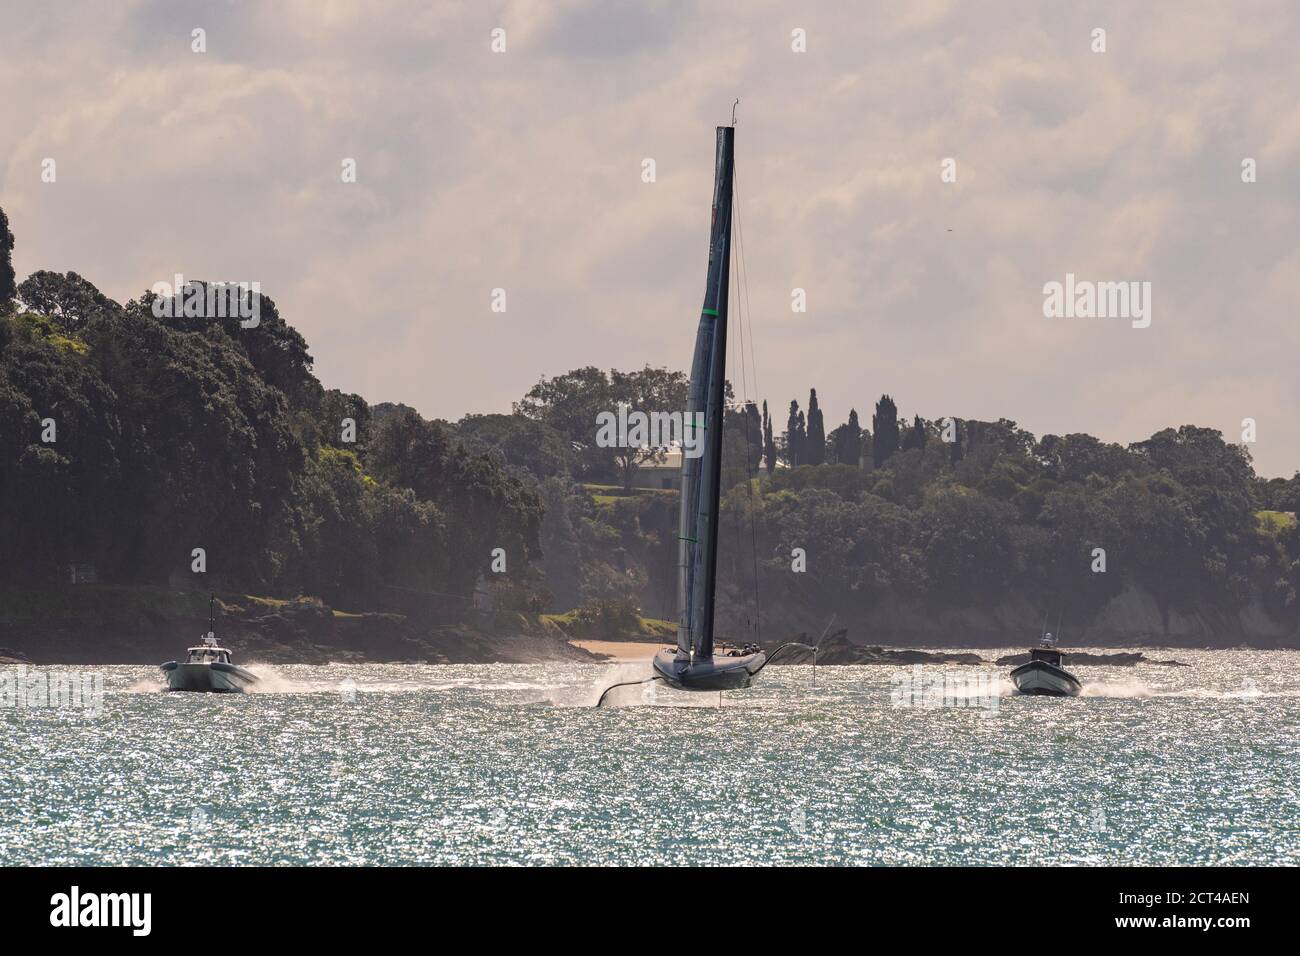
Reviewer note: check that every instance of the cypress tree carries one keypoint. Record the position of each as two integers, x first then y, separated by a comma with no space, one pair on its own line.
955,453
816,446
769,443
916,435
7,286
884,427
794,435
753,438
847,440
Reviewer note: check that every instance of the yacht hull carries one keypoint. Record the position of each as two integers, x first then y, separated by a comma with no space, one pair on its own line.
1041,678
717,673
215,678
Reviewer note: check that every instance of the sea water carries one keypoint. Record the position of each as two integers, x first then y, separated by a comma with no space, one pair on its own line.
511,764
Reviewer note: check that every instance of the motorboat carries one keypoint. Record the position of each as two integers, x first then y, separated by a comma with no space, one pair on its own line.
1044,674
208,668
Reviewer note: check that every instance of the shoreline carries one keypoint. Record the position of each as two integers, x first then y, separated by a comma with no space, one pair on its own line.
90,625
592,651
620,651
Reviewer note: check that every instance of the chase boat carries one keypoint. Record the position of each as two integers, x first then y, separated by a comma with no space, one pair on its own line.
1043,673
208,668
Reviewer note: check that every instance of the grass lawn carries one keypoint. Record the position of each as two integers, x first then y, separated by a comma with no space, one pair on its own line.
1272,522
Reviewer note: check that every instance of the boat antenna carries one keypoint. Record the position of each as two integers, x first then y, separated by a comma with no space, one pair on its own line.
733,112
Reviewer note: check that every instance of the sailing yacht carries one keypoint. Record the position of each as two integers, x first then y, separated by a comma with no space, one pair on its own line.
693,665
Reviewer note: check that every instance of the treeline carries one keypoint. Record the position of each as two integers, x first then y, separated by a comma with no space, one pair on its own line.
949,512
962,513
128,441
806,442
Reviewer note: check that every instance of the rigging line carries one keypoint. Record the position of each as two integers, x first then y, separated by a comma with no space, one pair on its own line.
740,306
740,312
740,239
742,279
743,317
736,554
740,404
749,471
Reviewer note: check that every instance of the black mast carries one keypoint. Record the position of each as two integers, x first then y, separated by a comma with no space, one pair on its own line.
702,476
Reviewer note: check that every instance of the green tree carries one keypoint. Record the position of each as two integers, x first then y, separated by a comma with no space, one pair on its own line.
966,545
846,441
209,459
334,410
769,444
486,508
273,347
7,287
916,435
68,299
742,444
816,441
1076,457
562,560
884,431
523,445
570,404
794,436
651,391
956,451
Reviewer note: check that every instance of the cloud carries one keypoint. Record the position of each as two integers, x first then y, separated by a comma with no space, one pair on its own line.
523,171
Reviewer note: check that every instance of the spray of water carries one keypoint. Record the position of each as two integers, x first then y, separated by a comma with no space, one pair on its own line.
1123,689
271,681
147,685
640,690
589,694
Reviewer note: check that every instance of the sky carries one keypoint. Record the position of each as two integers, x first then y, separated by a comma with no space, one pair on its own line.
522,170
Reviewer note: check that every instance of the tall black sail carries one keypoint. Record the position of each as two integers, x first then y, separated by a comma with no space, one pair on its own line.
701,475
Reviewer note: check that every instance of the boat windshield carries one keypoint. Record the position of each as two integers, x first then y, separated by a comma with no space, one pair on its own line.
208,655
1046,654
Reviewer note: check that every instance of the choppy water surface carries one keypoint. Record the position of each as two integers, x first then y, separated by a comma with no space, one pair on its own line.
397,764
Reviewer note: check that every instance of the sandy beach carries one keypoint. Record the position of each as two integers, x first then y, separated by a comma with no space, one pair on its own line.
621,650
